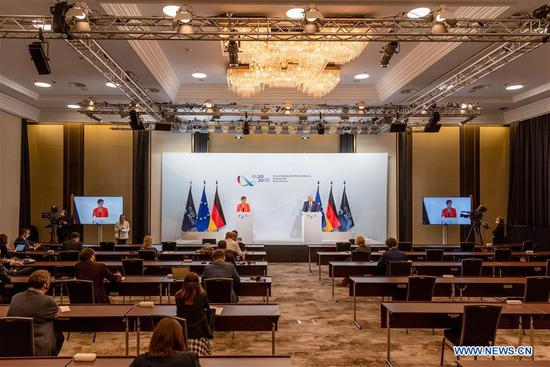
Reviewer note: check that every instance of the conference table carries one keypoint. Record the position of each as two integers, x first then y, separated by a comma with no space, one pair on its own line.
436,268
382,286
443,315
159,286
127,318
243,267
179,247
118,255
206,361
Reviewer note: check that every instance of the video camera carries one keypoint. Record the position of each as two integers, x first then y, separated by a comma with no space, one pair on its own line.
476,215
52,216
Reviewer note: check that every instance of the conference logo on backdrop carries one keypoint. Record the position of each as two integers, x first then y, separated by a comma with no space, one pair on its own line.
243,181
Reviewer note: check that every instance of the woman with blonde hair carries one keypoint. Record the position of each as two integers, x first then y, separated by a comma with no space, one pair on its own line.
192,305
167,348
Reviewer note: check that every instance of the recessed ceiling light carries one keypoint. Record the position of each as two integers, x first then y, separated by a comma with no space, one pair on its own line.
171,10
74,106
42,84
198,75
295,13
514,87
418,13
111,85
362,76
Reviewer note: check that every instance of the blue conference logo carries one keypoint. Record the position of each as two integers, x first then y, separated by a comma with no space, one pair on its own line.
243,181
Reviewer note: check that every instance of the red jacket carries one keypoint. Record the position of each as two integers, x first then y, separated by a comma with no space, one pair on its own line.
104,213
243,207
448,213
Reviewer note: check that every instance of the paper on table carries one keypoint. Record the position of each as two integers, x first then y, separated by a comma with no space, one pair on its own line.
218,310
64,308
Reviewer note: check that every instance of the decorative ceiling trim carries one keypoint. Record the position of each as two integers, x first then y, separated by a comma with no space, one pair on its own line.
528,111
220,92
150,52
531,93
18,88
19,108
425,55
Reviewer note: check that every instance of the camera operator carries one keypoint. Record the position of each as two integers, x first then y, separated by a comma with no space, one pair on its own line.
499,233
64,226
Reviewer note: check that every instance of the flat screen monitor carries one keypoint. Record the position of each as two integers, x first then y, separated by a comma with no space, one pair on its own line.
447,210
98,209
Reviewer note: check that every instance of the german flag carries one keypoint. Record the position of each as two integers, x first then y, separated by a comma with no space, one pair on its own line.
331,214
217,219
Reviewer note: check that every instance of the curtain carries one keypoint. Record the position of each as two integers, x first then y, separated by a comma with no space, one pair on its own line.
73,167
529,200
25,179
347,143
404,187
141,185
469,169
200,143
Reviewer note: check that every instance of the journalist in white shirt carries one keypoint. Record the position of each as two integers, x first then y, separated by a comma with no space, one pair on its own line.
122,230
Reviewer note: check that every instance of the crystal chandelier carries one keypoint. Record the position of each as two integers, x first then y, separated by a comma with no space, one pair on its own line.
312,67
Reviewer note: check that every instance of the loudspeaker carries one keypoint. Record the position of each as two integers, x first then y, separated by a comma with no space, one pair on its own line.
39,58
432,128
398,128
135,122
163,127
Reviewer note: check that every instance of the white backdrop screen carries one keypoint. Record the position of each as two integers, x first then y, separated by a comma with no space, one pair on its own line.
279,185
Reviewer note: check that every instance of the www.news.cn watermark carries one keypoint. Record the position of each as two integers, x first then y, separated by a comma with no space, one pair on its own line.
493,351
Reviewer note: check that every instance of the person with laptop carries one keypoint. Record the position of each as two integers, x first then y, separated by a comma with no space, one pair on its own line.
88,269
221,269
23,243
73,244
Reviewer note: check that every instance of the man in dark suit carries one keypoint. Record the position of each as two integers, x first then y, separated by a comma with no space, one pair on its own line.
221,269
392,254
229,255
310,205
73,244
23,239
88,269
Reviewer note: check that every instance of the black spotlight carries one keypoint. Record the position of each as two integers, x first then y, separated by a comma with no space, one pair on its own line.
135,121
398,127
541,12
246,128
58,11
388,51
433,125
233,50
321,129
40,58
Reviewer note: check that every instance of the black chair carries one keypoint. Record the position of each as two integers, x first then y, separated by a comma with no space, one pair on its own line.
360,256
467,246
183,323
16,337
211,241
352,241
400,268
405,246
479,328
537,289
420,288
343,246
169,246
70,255
80,291
434,255
503,254
528,246
63,272
218,290
132,266
107,246
471,267
147,254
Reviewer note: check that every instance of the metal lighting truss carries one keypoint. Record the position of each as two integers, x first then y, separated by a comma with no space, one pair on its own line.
516,29
90,50
482,64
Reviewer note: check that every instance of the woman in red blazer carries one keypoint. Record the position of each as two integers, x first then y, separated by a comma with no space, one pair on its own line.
243,206
100,211
449,211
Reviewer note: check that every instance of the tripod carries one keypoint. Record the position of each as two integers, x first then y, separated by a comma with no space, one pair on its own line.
475,230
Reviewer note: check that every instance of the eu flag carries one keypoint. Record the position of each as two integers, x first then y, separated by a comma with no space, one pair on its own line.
190,215
345,217
320,207
203,217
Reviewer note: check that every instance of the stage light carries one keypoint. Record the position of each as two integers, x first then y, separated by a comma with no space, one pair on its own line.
233,51
312,14
40,58
388,51
439,28
185,28
418,13
246,128
41,25
295,13
42,84
182,21
199,75
465,121
541,12
463,106
320,129
361,105
171,10
208,103
311,27
73,106
76,17
89,104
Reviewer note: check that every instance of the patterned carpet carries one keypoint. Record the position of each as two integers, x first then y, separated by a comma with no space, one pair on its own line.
316,331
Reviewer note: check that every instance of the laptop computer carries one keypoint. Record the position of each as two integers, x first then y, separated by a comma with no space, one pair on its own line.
20,248
180,272
158,247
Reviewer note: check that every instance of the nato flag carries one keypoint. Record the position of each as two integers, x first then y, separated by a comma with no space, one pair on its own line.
190,215
345,217
203,217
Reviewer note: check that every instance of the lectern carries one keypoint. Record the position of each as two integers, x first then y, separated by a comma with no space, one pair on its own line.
311,227
245,226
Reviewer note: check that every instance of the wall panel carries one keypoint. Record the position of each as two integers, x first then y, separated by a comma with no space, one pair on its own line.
226,143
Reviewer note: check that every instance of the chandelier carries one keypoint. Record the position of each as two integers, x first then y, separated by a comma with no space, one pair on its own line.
310,66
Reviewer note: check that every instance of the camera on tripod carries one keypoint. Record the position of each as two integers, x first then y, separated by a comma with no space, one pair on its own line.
52,216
